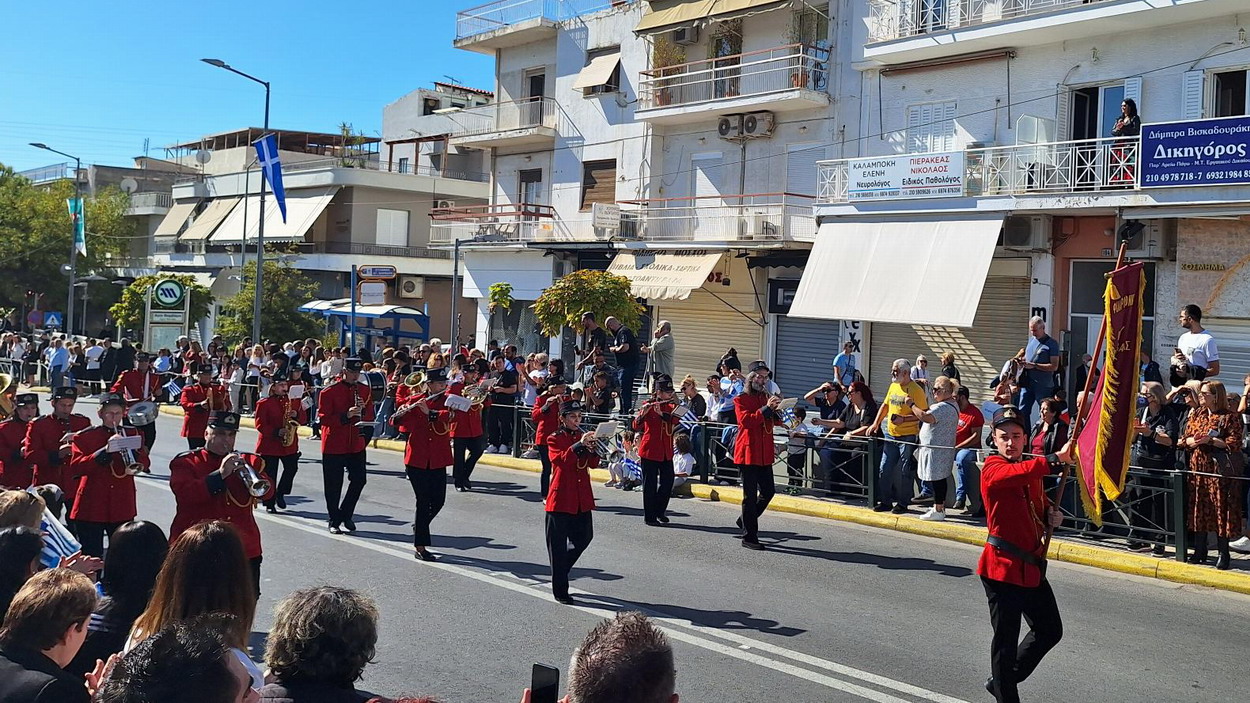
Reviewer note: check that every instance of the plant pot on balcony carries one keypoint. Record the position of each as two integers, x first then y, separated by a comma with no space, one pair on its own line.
799,79
663,96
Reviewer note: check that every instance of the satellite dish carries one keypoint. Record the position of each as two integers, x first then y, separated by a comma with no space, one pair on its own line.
130,185
203,156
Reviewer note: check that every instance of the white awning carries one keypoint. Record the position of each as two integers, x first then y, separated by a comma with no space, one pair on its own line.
175,219
210,219
598,72
302,210
915,273
664,275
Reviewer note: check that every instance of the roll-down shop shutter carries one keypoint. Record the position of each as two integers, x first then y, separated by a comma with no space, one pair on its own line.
704,328
1232,341
998,332
803,356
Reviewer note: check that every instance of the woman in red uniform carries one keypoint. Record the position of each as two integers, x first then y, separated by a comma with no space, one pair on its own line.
16,471
106,494
546,416
199,402
272,417
468,435
570,500
427,455
655,422
754,453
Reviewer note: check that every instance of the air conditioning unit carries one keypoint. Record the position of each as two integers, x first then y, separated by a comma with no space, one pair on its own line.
685,36
444,204
1026,232
760,227
411,287
729,126
631,226
758,124
1154,241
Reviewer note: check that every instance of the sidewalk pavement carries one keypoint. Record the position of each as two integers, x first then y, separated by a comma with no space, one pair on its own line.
1060,549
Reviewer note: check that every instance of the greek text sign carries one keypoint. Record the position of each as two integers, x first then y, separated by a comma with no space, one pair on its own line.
906,176
1196,153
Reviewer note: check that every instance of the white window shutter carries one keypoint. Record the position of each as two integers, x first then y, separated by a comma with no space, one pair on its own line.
915,120
949,130
1191,95
1063,114
1132,90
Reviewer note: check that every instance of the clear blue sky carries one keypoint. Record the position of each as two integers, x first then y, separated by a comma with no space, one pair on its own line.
95,80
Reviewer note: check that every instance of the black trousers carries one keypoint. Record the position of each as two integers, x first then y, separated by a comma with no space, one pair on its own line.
757,492
194,443
1012,660
657,488
332,468
466,451
544,458
290,467
255,564
568,535
430,488
91,536
499,425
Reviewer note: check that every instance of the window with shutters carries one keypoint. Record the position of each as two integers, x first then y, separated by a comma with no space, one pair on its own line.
931,127
598,182
801,167
392,228
1229,94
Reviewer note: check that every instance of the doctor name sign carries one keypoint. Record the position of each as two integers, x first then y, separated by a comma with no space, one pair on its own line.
906,176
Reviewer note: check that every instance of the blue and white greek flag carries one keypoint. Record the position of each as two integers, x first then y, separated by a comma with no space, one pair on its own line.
788,417
631,468
688,422
57,541
267,158
174,387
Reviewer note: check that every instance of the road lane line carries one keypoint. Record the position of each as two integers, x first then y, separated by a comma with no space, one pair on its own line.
682,630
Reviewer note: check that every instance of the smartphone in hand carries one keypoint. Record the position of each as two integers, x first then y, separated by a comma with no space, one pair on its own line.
544,684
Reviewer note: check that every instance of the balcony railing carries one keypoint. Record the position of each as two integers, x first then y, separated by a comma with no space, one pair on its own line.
760,217
753,73
504,222
504,116
379,250
895,19
502,14
371,162
1085,166
151,200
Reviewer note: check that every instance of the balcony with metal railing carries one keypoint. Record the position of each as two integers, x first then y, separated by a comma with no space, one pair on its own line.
373,163
1108,165
755,217
914,30
783,78
150,203
503,23
527,122
502,223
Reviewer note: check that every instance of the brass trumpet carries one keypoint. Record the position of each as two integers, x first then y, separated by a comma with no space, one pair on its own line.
133,466
414,379
256,485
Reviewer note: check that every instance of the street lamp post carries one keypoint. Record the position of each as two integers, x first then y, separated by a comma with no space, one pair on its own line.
73,232
260,232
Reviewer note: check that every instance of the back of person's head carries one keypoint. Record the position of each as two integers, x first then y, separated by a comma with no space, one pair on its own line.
184,662
623,660
47,606
136,553
20,547
324,634
206,571
20,508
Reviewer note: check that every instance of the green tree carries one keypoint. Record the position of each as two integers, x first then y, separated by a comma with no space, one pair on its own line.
285,289
35,236
130,309
605,294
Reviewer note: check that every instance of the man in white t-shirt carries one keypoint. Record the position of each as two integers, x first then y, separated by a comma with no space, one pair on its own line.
1196,356
93,354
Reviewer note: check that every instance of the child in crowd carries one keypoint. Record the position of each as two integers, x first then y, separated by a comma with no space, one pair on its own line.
802,438
683,460
623,465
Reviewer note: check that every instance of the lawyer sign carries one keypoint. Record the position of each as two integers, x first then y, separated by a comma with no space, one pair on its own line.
1196,153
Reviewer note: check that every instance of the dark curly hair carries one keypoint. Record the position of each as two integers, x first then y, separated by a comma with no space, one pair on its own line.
324,634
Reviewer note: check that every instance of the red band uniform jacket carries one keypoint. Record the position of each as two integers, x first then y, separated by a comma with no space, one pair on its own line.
656,427
754,444
1015,510
429,434
195,416
339,434
571,462
271,416
546,422
42,448
106,493
468,423
16,471
137,386
202,494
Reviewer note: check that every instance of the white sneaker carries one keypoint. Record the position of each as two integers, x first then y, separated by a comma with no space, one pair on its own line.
934,515
492,449
1240,545
505,449
531,454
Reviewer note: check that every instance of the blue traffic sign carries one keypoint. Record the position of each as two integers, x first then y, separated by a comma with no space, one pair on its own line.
52,319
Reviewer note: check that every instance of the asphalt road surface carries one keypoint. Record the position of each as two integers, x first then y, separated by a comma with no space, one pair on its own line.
831,612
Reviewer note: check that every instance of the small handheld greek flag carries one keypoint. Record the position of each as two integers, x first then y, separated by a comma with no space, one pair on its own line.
688,422
632,469
173,386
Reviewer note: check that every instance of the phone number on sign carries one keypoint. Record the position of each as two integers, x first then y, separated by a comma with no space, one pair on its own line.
1191,177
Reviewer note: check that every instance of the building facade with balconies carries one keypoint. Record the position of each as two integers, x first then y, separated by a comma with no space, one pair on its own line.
985,145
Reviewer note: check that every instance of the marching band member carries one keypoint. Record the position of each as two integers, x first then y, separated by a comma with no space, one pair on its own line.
427,454
47,442
1013,563
199,402
571,499
139,385
210,484
546,416
341,407
277,439
16,471
467,432
655,422
754,453
106,492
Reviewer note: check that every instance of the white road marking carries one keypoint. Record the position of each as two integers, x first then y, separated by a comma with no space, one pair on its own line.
681,630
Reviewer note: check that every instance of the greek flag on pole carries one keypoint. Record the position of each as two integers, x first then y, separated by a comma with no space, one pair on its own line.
80,224
267,157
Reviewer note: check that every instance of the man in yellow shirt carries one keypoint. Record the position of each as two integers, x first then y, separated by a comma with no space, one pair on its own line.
894,482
